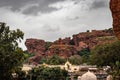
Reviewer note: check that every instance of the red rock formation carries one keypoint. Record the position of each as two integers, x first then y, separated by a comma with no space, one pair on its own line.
90,38
65,41
64,51
68,47
35,46
82,45
115,9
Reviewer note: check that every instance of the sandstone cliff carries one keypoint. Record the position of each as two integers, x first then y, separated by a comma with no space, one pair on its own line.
91,38
37,47
69,46
115,9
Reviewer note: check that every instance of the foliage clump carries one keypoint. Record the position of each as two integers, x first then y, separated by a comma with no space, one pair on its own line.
47,73
11,55
107,55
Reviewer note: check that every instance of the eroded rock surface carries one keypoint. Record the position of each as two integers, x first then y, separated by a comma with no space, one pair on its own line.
35,46
69,46
62,50
90,39
115,9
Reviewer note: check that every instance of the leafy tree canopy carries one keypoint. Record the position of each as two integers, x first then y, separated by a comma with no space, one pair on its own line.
11,56
46,73
76,60
106,54
55,60
85,54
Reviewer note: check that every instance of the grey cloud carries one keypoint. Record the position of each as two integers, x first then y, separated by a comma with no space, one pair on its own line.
95,4
43,7
14,4
35,9
73,18
99,4
48,28
17,4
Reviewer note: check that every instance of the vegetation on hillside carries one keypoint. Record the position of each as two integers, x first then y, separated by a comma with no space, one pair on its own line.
107,55
85,54
46,73
53,60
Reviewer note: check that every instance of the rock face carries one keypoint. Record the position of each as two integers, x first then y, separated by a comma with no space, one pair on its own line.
64,51
62,48
67,47
65,41
115,9
90,39
37,47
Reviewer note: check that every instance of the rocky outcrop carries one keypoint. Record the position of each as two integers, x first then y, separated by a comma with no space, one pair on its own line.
90,39
68,47
62,50
65,41
115,9
35,46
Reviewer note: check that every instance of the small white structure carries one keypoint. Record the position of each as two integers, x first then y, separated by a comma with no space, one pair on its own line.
68,65
109,77
88,76
71,68
27,67
79,77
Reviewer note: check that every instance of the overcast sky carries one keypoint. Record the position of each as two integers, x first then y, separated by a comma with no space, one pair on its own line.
51,19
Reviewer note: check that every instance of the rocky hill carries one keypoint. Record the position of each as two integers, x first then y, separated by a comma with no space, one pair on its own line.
69,46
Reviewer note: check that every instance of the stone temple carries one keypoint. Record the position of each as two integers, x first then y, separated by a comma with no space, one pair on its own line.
88,76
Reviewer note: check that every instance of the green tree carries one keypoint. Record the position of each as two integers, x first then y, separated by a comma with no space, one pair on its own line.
46,73
27,56
21,75
47,45
85,54
76,60
84,51
107,54
43,60
55,60
116,71
11,56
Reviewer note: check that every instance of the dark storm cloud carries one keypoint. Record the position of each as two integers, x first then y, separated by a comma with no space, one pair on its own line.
35,9
99,4
95,3
16,5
